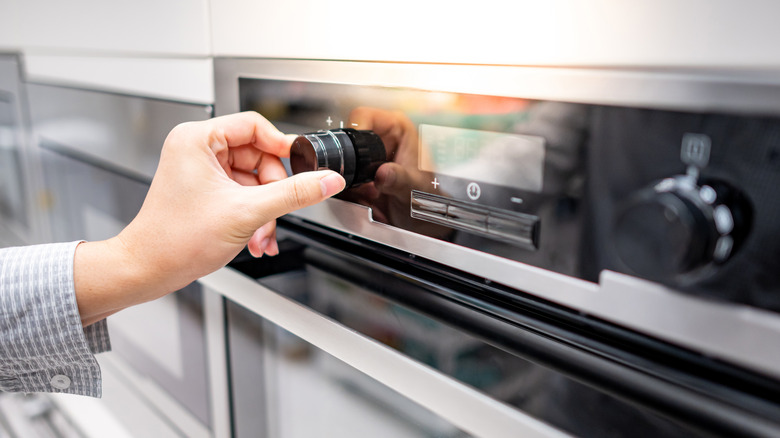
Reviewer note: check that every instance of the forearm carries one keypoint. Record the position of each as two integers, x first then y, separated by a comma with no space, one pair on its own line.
108,278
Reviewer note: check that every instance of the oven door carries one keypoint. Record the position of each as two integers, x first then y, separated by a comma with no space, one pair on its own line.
338,336
642,198
99,152
17,218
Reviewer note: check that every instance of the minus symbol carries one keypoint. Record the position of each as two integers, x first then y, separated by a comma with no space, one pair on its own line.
516,200
354,124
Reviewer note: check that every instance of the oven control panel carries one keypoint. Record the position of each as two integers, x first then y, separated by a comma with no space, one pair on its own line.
519,228
683,199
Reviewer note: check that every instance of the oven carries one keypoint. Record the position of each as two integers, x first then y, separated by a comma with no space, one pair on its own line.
98,152
549,251
19,221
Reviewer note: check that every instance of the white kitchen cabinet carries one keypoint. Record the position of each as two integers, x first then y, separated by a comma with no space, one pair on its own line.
139,27
189,80
714,33
9,37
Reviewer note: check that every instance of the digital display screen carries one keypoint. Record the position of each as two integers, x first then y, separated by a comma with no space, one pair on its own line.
499,158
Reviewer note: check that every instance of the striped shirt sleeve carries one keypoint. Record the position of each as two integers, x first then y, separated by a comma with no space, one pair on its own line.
43,346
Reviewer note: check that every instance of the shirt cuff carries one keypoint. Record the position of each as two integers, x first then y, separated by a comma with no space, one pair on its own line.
43,345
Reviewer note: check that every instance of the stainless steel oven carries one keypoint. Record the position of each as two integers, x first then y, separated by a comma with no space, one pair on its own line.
99,152
549,251
19,221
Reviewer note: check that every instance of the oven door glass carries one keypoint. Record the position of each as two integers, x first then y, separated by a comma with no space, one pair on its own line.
13,206
285,386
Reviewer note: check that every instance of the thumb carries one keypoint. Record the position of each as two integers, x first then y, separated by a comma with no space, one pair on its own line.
302,190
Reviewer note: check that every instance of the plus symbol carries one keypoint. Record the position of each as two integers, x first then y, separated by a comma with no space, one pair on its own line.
329,121
435,183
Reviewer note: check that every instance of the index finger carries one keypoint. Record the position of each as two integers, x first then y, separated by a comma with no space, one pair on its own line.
249,128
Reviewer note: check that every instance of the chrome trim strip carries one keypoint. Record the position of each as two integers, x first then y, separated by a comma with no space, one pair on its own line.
742,335
216,356
457,403
693,89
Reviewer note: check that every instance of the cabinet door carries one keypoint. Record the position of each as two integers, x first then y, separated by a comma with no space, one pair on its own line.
19,218
178,27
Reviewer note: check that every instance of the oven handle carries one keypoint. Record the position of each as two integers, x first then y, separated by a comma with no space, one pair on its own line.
457,403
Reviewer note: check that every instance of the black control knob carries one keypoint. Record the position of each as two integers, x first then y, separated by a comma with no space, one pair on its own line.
354,154
677,231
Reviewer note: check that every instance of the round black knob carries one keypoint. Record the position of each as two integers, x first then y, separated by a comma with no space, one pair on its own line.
676,231
355,155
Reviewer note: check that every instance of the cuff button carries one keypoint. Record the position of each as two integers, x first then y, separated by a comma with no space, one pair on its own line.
60,381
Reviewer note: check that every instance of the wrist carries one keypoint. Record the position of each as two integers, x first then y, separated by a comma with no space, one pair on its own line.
108,278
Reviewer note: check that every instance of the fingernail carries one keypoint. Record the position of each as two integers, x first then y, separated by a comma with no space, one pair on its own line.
332,184
264,244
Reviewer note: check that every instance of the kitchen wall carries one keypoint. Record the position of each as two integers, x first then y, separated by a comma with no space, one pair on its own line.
716,33
557,32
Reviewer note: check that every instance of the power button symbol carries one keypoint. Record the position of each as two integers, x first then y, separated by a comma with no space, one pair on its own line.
473,191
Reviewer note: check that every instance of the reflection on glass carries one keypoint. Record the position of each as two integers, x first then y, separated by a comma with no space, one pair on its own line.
498,158
576,169
539,391
502,154
334,399
309,393
12,188
271,367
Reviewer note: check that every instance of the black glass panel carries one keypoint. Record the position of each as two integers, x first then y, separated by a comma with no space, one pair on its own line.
284,387
351,293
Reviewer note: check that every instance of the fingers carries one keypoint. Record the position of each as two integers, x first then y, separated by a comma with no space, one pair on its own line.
254,146
270,169
287,195
284,196
249,128
264,241
244,178
246,146
245,157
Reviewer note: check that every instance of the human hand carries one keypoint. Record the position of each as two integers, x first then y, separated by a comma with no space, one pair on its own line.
219,186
